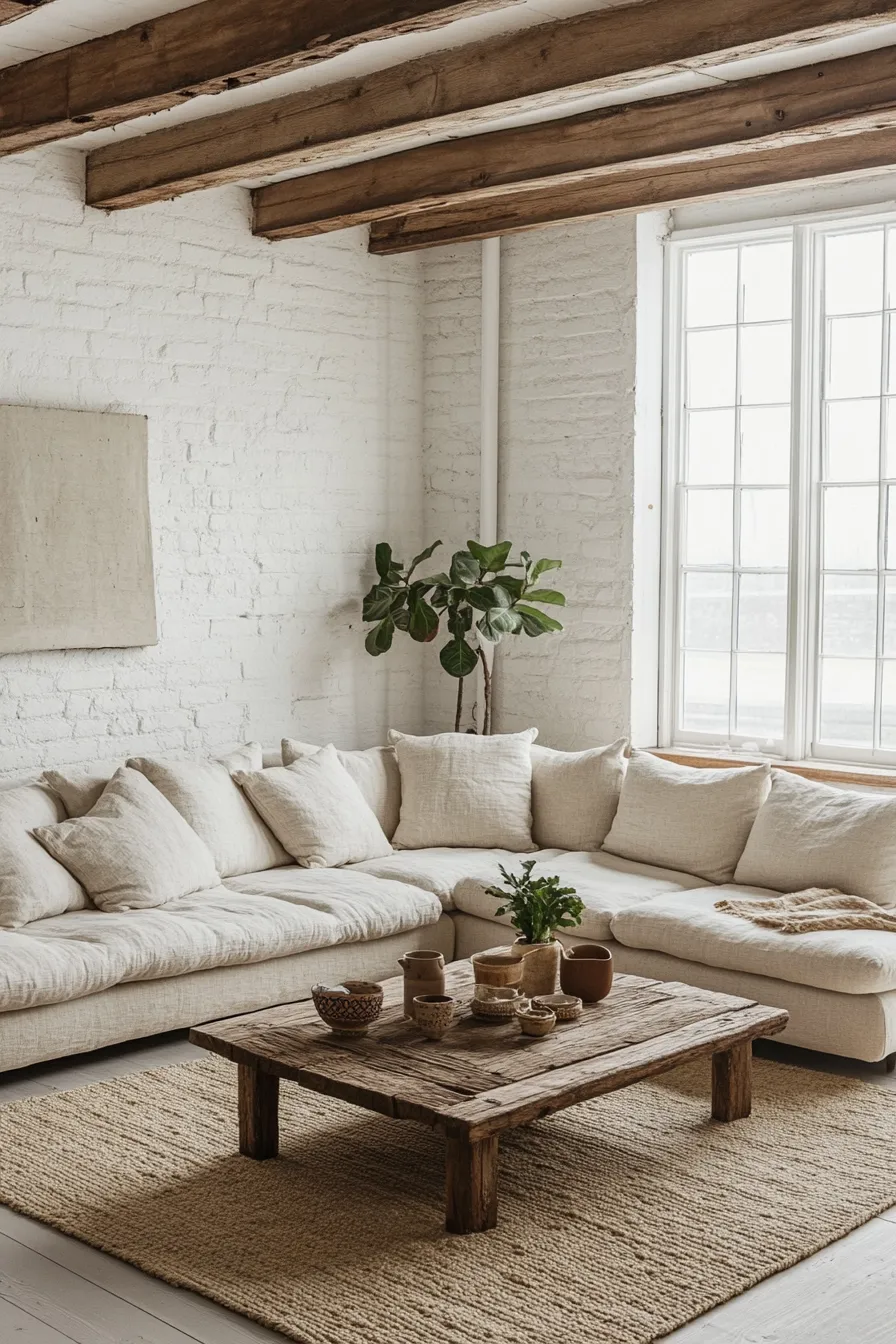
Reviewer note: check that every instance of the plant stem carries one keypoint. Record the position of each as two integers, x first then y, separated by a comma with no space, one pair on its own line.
487,693
460,704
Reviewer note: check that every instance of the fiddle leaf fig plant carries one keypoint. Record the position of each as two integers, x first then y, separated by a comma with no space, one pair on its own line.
538,906
479,599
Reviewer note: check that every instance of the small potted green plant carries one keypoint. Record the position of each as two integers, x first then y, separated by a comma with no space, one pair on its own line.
538,907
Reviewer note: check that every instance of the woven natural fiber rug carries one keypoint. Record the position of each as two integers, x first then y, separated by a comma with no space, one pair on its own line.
620,1219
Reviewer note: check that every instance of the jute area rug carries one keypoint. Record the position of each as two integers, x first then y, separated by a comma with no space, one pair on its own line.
620,1219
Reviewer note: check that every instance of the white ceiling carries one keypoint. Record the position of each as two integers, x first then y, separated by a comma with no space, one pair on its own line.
63,23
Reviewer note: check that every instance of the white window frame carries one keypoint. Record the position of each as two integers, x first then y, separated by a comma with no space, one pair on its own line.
804,588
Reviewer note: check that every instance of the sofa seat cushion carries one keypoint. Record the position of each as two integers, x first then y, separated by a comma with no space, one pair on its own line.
605,883
439,870
847,961
291,910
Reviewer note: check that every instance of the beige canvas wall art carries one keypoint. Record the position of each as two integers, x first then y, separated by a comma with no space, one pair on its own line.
75,544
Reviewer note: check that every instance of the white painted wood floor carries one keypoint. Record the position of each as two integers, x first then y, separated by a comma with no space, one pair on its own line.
54,1290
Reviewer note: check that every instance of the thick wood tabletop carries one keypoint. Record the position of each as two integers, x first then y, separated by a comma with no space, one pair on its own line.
483,1077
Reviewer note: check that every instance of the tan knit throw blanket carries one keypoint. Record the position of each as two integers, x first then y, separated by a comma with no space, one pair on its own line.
813,911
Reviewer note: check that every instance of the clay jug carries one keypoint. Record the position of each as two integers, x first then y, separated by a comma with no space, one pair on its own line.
587,971
424,973
541,962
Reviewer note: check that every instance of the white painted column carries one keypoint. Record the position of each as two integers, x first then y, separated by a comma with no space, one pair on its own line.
490,386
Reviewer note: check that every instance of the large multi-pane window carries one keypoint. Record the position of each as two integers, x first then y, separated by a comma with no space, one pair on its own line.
780,606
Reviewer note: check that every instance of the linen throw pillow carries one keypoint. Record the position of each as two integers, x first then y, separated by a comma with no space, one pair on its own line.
460,789
575,795
375,771
32,884
133,849
810,835
316,811
209,800
677,816
80,791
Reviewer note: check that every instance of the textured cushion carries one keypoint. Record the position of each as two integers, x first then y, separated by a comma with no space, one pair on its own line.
375,771
316,811
676,816
689,926
809,835
575,795
79,790
133,849
271,914
32,884
440,870
462,789
207,798
606,885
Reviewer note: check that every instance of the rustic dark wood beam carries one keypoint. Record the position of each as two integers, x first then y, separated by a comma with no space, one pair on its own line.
208,48
788,107
455,91
17,9
639,187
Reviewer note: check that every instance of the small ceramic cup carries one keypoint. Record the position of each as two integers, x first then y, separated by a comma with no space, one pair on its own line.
434,1014
496,1002
536,1021
567,1007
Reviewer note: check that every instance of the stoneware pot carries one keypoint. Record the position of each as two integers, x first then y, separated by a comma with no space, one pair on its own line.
567,1007
587,971
434,1014
496,1003
424,973
498,967
350,1008
536,1021
540,967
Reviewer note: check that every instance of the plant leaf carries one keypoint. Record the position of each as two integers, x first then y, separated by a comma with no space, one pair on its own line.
548,595
384,561
380,638
424,621
458,659
378,602
502,595
464,569
424,555
491,558
535,622
481,597
542,566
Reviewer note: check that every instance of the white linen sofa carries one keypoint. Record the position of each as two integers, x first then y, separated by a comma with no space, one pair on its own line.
85,979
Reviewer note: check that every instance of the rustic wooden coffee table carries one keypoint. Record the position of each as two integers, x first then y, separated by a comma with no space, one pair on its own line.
485,1077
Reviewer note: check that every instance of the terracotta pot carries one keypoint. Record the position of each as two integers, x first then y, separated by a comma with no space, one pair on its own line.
541,964
587,971
536,1021
434,1014
499,967
424,973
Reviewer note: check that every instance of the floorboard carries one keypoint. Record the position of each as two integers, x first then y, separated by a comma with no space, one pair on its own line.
55,1290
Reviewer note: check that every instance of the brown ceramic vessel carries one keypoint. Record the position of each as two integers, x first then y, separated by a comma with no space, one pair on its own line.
499,967
587,971
424,973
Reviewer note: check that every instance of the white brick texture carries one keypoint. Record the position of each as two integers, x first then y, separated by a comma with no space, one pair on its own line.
283,386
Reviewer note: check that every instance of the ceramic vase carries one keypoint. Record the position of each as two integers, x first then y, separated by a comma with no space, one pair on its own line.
587,971
541,967
424,973
434,1014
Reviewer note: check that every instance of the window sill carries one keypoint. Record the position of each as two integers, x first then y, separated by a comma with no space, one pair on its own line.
854,776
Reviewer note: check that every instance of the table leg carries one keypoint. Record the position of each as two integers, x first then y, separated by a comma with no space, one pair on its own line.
258,1105
471,1184
732,1082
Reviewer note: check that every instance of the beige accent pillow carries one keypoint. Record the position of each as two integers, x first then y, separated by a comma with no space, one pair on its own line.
375,771
461,789
79,791
677,816
32,884
209,800
810,835
133,849
575,795
316,811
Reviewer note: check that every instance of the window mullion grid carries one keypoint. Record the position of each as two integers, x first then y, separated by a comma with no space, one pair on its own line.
816,332
799,696
882,504
735,505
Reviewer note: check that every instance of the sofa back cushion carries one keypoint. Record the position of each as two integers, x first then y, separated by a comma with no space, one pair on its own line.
133,849
676,816
462,789
575,795
810,835
79,790
316,811
32,884
375,771
207,797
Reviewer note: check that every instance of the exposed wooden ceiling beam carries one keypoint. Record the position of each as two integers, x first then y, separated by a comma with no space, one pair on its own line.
790,106
17,9
207,48
454,91
638,187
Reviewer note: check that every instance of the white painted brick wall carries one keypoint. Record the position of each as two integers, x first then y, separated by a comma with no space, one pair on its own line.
283,387
567,443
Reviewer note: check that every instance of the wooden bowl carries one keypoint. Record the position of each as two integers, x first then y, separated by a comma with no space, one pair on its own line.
567,1007
350,1008
536,1021
497,967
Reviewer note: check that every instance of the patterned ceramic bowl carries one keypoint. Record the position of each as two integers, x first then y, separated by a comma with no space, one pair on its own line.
349,1008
